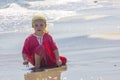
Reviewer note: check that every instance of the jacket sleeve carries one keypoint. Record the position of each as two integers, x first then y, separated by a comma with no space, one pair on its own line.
52,43
25,49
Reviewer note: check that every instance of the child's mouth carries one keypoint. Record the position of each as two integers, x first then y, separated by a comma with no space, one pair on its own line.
38,30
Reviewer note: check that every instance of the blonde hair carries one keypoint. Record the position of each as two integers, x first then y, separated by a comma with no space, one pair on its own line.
38,16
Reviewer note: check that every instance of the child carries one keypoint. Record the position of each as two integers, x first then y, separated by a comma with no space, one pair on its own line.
39,48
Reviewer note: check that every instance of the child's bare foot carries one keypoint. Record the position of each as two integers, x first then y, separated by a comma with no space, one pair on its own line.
37,69
59,63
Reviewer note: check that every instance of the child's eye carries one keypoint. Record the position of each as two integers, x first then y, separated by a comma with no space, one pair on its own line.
36,25
41,25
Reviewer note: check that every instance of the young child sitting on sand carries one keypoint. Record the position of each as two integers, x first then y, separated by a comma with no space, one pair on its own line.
39,47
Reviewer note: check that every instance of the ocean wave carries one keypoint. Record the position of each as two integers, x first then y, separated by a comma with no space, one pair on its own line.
14,6
51,2
71,5
79,18
15,17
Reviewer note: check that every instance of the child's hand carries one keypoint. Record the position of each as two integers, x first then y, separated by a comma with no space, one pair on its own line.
25,62
59,63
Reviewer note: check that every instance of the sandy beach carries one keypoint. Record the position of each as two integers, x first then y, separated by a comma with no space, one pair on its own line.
87,33
109,36
97,59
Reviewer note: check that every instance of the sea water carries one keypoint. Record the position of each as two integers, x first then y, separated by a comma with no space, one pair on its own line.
15,15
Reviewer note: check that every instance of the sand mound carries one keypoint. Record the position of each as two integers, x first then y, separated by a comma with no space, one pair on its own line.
109,36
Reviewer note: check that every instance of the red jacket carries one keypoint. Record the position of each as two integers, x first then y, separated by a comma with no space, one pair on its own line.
32,46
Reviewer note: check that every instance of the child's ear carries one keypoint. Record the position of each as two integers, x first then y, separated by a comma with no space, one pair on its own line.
32,25
45,25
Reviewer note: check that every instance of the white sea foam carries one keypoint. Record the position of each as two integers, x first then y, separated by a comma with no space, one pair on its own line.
81,17
14,17
18,17
50,2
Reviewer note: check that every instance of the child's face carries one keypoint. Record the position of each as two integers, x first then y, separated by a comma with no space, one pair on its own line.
39,26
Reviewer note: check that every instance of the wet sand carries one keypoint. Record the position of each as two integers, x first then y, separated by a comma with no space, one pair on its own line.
94,59
108,36
47,74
